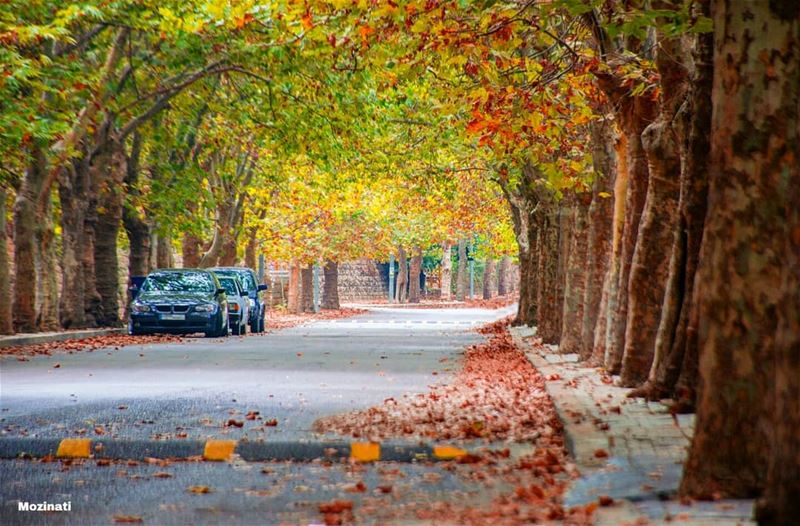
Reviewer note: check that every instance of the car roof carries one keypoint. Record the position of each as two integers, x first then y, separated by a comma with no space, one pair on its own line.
231,269
179,270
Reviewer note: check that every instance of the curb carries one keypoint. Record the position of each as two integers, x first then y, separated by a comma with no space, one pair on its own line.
222,450
48,337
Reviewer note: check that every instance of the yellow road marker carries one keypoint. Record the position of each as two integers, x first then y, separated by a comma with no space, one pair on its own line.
74,448
365,451
448,452
219,449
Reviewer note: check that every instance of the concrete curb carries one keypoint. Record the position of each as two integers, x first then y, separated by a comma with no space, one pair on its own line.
48,337
221,450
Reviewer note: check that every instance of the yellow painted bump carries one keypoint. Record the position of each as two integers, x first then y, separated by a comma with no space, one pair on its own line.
365,451
448,452
219,449
74,448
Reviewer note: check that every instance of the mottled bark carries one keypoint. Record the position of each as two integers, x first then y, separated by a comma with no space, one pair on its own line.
746,287
462,277
293,289
108,173
330,291
599,246
676,340
401,286
6,317
575,276
307,288
549,299
250,255
191,250
47,270
503,276
228,257
650,267
489,278
26,253
73,186
447,271
415,275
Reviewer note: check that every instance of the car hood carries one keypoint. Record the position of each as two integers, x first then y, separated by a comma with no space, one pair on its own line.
168,298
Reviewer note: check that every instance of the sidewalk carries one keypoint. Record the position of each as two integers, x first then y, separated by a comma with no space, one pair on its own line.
627,449
58,336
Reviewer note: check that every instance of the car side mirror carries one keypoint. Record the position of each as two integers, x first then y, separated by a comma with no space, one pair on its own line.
219,291
262,288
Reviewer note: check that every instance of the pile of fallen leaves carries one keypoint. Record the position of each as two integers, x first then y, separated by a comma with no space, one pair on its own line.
281,319
109,341
498,395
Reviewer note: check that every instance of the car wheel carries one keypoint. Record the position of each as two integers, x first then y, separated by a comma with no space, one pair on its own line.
236,330
261,324
133,331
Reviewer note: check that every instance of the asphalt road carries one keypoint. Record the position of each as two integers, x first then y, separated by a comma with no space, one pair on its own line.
189,391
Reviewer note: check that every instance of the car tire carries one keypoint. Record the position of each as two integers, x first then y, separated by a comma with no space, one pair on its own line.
261,324
236,330
133,331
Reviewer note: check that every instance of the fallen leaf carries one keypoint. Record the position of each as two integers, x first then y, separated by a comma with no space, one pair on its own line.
127,519
198,489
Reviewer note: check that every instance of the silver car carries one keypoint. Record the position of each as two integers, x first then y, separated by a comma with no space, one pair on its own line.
238,304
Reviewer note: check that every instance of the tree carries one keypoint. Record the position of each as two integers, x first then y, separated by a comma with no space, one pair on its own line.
745,439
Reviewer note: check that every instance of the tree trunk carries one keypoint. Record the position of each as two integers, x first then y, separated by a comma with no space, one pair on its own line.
548,296
46,269
164,256
401,288
330,292
73,186
293,292
109,172
250,251
650,267
307,288
746,289
599,247
676,340
461,277
26,253
415,271
136,226
228,257
6,317
447,271
576,275
489,278
191,250
503,274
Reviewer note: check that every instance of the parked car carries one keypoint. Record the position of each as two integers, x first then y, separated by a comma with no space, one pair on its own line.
180,301
247,277
238,304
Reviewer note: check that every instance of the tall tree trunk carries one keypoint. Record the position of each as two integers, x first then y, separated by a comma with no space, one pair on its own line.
250,251
549,298
293,292
73,186
108,175
229,250
503,274
461,277
46,269
401,288
415,271
599,247
164,256
650,268
447,271
489,278
191,250
745,438
136,226
307,288
6,317
576,274
676,340
330,292
26,253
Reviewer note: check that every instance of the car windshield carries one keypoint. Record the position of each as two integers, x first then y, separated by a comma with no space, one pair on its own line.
245,278
229,284
179,282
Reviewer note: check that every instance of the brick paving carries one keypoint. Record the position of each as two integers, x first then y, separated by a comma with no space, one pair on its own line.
627,449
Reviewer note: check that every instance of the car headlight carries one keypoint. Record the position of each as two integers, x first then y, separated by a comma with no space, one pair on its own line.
251,302
140,307
206,307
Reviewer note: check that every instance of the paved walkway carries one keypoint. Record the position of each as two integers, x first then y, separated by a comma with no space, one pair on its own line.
627,449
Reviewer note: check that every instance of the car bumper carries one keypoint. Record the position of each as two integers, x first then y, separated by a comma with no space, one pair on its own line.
153,322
